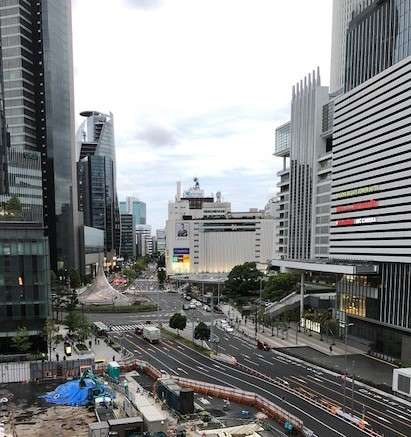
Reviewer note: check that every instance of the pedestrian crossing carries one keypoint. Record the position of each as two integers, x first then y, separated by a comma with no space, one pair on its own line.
124,328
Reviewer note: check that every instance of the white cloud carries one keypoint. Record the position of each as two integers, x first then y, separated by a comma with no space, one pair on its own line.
196,87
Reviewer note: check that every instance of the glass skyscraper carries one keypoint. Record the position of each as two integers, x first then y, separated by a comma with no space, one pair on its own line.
38,101
97,177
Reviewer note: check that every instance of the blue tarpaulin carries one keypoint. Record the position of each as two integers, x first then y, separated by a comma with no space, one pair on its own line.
70,393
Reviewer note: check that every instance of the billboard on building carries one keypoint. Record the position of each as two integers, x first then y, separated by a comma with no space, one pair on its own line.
181,260
182,231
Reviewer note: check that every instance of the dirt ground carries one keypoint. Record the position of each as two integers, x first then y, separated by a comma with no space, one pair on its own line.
25,415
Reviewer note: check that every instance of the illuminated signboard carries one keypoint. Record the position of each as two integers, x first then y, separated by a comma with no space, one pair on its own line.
310,325
357,221
357,191
181,260
358,206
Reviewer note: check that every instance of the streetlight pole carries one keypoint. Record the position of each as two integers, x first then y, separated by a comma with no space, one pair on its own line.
347,325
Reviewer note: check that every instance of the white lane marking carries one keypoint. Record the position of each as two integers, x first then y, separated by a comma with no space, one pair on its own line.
252,362
247,356
217,366
259,355
265,361
397,415
221,348
180,347
235,347
264,390
315,378
182,370
379,417
202,368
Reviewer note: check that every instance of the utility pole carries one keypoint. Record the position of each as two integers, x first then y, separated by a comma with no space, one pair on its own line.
347,325
352,389
301,298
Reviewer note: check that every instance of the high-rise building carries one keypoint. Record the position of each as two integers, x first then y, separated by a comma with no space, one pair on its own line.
127,237
96,170
38,101
136,207
365,124
143,240
24,251
161,241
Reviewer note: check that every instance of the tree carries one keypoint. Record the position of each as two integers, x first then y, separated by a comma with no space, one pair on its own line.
51,331
278,286
78,325
243,280
161,276
72,321
75,280
22,340
71,300
202,332
13,206
84,329
178,321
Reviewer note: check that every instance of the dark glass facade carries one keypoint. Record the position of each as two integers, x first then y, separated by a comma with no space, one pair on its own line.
38,99
96,171
378,36
127,236
24,278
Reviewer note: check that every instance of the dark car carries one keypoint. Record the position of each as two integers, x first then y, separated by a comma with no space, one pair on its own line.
139,330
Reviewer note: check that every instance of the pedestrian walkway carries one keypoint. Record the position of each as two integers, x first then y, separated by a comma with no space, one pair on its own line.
290,337
98,349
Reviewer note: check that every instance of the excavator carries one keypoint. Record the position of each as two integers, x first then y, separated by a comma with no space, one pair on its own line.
99,392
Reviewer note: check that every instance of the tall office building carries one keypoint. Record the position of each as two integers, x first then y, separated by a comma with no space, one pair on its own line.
24,259
127,248
161,241
38,101
96,170
367,126
136,207
302,183
143,240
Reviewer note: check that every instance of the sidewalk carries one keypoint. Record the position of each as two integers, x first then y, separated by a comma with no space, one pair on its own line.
98,350
311,349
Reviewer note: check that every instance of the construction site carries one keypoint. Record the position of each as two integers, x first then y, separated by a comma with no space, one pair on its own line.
133,398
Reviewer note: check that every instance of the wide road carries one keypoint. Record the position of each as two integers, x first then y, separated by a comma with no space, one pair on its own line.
382,413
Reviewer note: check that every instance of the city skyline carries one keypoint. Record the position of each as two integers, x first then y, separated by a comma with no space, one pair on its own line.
232,109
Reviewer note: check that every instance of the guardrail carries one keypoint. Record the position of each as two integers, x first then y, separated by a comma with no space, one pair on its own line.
236,395
324,404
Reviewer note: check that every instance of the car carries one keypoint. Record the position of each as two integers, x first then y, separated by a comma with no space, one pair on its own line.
139,329
228,329
214,339
186,306
193,306
198,304
188,297
132,288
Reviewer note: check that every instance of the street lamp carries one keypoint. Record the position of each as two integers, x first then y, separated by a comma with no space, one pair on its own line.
347,325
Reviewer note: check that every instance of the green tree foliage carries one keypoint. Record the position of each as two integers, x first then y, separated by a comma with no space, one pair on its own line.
202,332
75,280
243,280
51,331
71,300
178,321
13,205
161,261
21,341
78,325
278,286
161,276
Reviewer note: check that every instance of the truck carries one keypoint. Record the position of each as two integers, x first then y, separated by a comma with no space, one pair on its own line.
151,334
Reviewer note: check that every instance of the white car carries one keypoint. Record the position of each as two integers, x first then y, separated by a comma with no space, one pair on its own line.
193,306
198,304
228,329
132,288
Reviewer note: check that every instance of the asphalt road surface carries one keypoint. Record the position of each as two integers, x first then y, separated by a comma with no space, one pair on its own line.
383,414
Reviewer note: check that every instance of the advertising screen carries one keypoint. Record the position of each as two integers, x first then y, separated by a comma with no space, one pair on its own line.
181,260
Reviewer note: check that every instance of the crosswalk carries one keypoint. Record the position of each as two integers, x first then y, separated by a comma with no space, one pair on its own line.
124,328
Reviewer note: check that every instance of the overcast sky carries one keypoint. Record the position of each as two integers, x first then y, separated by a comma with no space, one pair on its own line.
197,88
